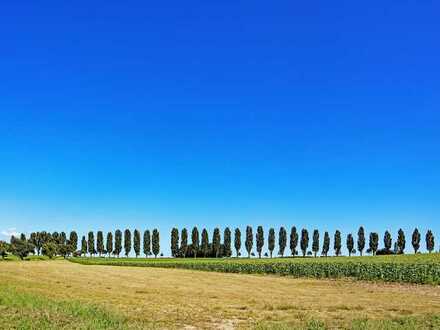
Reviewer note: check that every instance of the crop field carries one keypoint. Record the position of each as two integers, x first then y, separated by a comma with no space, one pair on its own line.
421,268
59,294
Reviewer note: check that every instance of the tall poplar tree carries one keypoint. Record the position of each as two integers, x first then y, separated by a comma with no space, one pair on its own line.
73,240
147,243
83,246
387,241
91,243
430,241
216,242
249,240
137,242
237,241
374,243
282,241
326,244
293,240
271,241
401,242
109,243
156,243
361,240
195,241
304,241
259,238
100,242
350,244
118,243
184,242
315,243
416,240
338,243
174,242
205,242
127,242
227,242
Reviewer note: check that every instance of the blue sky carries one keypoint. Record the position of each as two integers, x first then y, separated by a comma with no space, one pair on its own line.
318,115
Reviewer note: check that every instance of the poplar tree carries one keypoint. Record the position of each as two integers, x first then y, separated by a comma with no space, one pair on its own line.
118,243
271,241
227,242
155,243
304,241
216,242
416,240
259,237
326,244
127,242
205,242
293,240
361,240
109,245
430,241
338,243
237,241
100,242
62,238
374,243
91,243
401,241
195,241
137,242
350,244
184,242
282,241
174,242
249,240
147,243
387,241
315,244
73,240
83,246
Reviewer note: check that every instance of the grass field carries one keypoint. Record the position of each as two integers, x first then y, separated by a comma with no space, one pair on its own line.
421,268
60,294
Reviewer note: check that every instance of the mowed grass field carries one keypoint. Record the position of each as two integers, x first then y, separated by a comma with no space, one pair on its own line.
60,294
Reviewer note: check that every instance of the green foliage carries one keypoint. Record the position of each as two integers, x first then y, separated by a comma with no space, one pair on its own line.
195,241
237,241
259,238
100,243
337,243
62,238
216,242
118,243
83,246
430,244
156,243
4,248
271,241
127,242
293,240
227,242
73,241
249,240
109,243
350,244
361,240
205,242
147,242
175,242
401,242
326,244
184,242
137,242
374,242
91,243
387,241
416,240
282,241
304,241
315,243
20,247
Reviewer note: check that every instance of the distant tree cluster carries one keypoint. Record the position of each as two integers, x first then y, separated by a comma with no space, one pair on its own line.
216,249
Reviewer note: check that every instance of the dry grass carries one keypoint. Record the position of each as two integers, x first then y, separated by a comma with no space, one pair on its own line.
183,298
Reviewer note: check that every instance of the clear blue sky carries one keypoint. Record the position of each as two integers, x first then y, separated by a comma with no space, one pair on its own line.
128,114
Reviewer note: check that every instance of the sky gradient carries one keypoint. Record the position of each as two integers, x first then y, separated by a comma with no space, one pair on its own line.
132,115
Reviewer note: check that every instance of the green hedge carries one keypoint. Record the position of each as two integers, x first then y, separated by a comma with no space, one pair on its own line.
390,269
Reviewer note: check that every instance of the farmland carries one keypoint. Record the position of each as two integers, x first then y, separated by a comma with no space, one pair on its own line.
421,268
60,294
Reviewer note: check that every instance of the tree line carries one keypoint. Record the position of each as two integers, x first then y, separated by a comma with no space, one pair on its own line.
200,245
58,244
299,242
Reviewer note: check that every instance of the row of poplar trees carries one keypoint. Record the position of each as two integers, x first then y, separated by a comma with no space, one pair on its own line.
202,247
55,243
